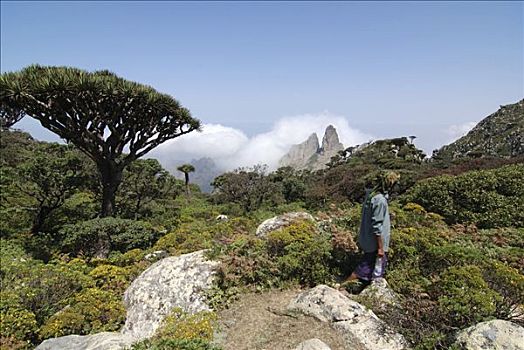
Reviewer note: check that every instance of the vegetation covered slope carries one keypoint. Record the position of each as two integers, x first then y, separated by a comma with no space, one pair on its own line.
456,258
500,134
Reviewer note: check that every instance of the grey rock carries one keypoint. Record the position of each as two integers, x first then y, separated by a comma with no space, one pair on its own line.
313,344
298,155
156,255
380,292
221,217
278,222
356,323
330,147
99,341
309,155
495,334
172,282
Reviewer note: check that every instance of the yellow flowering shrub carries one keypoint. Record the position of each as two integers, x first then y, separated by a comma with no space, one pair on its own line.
92,310
182,325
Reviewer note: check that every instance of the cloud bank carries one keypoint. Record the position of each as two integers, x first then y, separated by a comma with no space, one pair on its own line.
456,131
231,148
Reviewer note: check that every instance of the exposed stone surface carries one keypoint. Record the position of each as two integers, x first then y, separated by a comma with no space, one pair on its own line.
310,155
299,155
359,325
313,344
171,282
156,255
495,335
281,221
99,341
380,292
330,147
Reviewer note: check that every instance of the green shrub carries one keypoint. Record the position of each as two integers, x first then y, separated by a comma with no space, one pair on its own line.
111,278
98,237
174,344
183,331
298,253
197,235
488,198
465,297
301,253
16,322
182,325
92,310
43,289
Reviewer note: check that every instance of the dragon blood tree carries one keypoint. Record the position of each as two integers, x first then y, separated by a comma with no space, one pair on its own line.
112,120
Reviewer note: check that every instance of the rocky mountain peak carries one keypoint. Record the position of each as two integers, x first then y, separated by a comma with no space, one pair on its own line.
298,155
309,155
330,142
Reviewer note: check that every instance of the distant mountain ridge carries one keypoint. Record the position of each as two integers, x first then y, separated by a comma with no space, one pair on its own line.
500,134
309,155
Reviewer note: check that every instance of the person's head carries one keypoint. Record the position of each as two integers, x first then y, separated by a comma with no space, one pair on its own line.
383,181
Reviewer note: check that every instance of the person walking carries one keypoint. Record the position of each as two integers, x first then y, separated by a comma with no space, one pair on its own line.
375,230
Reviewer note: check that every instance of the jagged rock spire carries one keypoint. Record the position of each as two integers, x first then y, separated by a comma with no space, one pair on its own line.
309,155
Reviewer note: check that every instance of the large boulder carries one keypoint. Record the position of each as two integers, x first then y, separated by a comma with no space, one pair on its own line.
379,295
171,282
495,335
313,344
99,341
281,221
359,325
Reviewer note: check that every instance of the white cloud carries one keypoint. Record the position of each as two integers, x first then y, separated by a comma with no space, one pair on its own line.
231,148
456,131
215,141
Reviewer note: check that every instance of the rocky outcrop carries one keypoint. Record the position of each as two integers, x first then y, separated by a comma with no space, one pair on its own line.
330,147
359,325
500,134
495,335
299,155
278,222
310,155
169,283
99,341
313,344
381,294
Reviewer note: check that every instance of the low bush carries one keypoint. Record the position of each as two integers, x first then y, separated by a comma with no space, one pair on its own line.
298,253
98,237
183,331
464,297
174,344
91,311
488,198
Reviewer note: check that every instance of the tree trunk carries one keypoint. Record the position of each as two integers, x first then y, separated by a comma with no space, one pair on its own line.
111,176
186,175
39,220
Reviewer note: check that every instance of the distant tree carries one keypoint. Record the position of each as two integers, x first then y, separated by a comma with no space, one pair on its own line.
411,138
144,180
186,169
292,183
100,113
249,187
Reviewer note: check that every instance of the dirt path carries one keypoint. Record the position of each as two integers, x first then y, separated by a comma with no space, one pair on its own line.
257,321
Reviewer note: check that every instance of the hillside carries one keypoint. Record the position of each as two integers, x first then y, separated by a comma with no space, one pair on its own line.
77,273
500,134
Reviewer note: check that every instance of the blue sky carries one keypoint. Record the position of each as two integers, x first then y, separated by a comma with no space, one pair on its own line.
387,68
